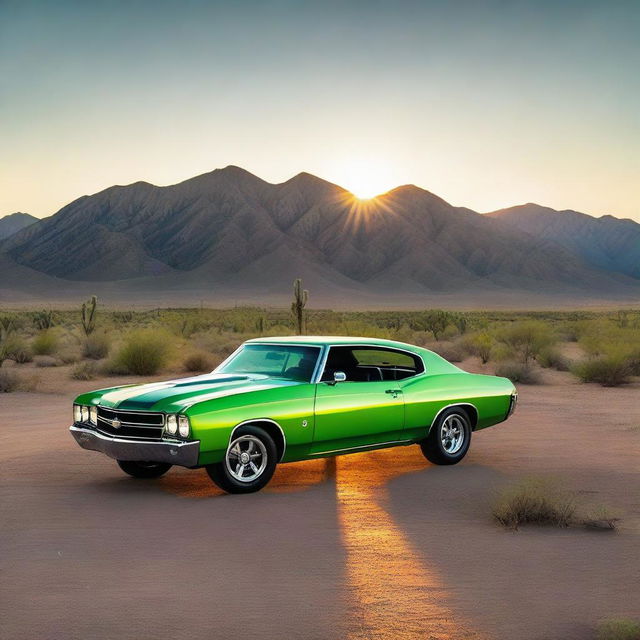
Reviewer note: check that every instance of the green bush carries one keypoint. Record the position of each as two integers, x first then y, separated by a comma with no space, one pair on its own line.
96,346
198,361
144,352
84,371
526,338
480,345
609,371
449,351
15,348
9,381
619,629
45,343
517,372
534,501
552,358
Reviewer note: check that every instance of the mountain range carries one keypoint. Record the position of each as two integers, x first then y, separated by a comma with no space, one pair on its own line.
228,236
13,222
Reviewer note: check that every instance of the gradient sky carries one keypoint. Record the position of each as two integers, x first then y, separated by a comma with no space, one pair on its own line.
487,104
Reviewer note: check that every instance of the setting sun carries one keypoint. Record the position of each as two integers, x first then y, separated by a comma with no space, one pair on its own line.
366,177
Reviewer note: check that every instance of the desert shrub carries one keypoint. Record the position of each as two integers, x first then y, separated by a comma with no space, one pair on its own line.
198,361
46,361
480,345
96,346
450,351
534,501
9,381
45,343
68,356
619,629
15,348
144,352
607,370
526,338
84,371
517,372
552,358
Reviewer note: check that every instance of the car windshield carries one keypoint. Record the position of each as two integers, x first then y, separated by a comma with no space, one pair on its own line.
291,362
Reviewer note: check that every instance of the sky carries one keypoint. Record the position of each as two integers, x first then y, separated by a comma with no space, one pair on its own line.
486,104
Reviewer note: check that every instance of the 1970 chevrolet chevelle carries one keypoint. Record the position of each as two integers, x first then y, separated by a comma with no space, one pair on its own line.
287,399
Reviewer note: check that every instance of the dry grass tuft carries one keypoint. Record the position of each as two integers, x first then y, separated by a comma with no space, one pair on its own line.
9,381
518,372
198,361
545,501
96,346
534,501
84,371
619,629
607,370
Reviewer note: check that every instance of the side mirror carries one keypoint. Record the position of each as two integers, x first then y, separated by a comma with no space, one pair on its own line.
339,376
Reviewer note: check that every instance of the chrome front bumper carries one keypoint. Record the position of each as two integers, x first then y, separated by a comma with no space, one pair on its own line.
184,454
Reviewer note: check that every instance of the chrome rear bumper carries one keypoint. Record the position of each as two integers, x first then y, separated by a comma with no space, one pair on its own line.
184,454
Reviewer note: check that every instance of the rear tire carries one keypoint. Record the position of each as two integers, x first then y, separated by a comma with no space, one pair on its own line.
249,461
144,469
449,438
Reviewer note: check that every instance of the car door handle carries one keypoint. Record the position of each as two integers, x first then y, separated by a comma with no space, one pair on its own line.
394,391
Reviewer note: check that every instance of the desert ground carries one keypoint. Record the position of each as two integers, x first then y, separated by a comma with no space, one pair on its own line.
371,545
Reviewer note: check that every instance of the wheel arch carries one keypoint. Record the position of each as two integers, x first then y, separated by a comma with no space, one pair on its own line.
271,427
470,409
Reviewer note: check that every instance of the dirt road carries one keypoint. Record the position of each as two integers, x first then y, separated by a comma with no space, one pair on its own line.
374,545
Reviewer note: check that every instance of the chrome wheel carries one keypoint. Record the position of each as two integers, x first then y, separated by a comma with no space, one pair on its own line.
246,458
452,434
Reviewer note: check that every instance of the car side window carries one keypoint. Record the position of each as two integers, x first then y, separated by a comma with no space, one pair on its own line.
371,364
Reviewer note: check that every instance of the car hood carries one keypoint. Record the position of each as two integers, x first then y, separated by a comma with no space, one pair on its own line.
174,395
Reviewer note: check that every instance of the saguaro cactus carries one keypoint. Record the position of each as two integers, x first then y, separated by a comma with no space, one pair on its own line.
300,297
89,315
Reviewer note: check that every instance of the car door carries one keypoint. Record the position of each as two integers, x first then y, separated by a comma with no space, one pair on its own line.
363,410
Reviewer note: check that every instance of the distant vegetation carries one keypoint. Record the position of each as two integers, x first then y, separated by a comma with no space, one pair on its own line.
595,347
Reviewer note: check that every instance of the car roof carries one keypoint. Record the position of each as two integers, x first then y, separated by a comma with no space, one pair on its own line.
335,340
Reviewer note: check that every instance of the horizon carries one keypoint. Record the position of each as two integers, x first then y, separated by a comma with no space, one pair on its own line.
355,196
485,104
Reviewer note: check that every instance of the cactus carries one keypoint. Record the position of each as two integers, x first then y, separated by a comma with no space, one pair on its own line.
89,315
43,320
300,297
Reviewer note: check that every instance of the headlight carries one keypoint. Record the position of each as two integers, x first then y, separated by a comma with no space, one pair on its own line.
183,426
93,415
85,414
77,413
172,425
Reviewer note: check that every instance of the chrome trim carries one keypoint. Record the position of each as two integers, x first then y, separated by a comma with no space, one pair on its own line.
364,446
144,425
184,454
454,404
253,421
158,413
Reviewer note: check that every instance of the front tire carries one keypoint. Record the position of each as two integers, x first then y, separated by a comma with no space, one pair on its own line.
449,438
249,462
144,469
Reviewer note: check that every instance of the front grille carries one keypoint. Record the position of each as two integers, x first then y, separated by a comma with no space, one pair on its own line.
133,424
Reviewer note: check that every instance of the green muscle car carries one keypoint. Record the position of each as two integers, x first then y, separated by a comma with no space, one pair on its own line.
288,399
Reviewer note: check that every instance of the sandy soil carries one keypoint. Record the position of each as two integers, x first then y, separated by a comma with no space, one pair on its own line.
374,545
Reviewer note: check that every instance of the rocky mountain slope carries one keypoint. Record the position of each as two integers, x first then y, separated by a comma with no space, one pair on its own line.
13,222
607,242
229,230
